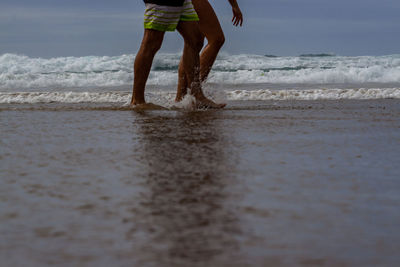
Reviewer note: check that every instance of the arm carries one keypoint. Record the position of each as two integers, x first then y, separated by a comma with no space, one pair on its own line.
237,13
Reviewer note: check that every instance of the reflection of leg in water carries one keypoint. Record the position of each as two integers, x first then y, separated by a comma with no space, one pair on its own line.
186,209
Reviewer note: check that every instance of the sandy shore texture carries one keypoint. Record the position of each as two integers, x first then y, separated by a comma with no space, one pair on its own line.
304,183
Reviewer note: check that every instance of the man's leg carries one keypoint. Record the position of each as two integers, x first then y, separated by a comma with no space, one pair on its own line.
182,82
191,61
151,43
211,29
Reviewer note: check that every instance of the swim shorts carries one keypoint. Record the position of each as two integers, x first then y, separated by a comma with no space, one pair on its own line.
166,17
165,2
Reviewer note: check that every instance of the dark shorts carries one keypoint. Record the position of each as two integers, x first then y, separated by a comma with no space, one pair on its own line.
165,2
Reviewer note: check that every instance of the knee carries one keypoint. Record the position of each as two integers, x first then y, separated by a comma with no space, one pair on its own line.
196,42
151,43
151,47
218,41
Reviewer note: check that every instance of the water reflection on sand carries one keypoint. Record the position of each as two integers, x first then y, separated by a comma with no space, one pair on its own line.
186,213
265,184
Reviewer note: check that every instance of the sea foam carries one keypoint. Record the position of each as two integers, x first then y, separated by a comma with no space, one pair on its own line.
21,72
166,98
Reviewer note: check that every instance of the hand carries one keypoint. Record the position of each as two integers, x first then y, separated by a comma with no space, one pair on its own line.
237,16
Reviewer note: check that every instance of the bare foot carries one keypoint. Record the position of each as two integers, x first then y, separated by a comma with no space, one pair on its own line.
147,106
180,96
178,99
203,102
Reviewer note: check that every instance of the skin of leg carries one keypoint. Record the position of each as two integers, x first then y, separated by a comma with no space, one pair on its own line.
210,28
191,61
182,82
193,43
151,43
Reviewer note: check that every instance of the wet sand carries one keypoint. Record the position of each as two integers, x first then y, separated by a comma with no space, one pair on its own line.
304,183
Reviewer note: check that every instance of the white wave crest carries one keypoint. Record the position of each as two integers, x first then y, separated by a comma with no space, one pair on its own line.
314,94
19,72
64,97
167,97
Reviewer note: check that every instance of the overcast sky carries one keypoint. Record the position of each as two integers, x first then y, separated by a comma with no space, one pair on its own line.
49,28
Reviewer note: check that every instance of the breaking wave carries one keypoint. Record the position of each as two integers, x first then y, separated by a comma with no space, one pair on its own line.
21,72
262,94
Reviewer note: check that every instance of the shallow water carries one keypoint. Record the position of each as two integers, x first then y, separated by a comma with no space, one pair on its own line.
264,183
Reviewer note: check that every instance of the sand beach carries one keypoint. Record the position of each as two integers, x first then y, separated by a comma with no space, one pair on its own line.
262,183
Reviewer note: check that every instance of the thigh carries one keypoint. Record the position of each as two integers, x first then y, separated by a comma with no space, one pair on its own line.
153,38
209,23
190,31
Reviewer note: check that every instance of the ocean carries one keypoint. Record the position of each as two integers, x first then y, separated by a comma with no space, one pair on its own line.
300,168
95,79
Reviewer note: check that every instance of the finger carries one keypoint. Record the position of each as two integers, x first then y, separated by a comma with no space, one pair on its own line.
240,21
